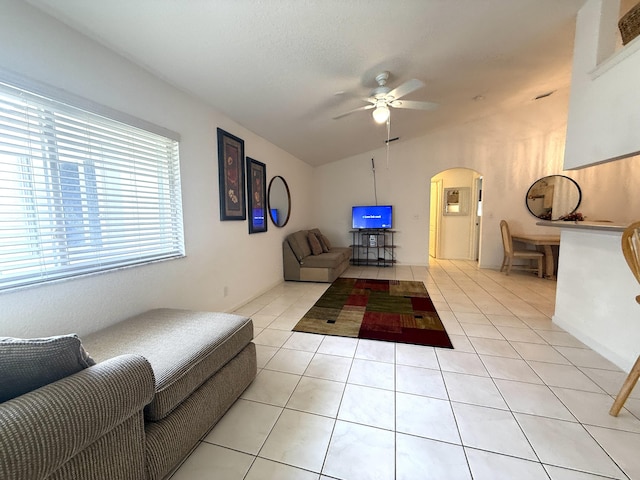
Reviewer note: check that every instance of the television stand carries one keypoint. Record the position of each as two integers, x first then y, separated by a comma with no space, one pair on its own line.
373,247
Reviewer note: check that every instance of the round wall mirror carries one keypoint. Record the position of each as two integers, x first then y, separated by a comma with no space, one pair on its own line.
553,197
279,199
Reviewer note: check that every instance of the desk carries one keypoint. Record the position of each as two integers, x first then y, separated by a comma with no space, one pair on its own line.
545,241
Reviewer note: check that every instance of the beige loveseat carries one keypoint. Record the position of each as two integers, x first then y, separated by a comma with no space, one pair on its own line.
303,261
161,380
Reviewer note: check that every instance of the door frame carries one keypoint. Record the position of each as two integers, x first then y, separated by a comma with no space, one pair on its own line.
434,218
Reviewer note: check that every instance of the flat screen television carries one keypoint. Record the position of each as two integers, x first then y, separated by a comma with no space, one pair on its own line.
371,216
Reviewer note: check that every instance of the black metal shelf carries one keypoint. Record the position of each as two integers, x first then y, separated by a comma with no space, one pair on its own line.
373,247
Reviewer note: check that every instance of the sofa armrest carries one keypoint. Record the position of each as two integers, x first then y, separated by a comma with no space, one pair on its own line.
290,263
44,428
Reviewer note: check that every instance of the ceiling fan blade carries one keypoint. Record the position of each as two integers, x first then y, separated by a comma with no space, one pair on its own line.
406,88
366,107
414,105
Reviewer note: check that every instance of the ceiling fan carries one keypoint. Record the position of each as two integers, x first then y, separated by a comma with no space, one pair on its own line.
382,97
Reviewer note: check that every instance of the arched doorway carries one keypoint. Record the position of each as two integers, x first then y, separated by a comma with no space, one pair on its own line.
455,214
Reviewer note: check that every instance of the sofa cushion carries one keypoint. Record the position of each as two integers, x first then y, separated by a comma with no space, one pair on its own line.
299,244
314,243
185,348
324,260
170,440
28,364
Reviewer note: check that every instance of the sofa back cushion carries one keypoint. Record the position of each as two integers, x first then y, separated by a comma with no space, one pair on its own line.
299,244
28,364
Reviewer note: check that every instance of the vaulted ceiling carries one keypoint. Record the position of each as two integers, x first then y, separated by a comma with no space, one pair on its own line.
284,68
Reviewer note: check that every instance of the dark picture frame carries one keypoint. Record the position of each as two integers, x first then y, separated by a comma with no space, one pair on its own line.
231,176
257,195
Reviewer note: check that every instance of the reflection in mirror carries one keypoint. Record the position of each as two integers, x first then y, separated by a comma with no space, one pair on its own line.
553,197
279,201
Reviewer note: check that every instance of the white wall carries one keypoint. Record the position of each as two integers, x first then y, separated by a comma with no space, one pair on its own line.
596,292
603,118
219,254
511,150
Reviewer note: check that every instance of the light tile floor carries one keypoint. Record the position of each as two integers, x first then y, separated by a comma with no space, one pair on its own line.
517,398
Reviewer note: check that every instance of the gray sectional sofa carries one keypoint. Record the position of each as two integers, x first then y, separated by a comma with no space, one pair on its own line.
160,382
305,261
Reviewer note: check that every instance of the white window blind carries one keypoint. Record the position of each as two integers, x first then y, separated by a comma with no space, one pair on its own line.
80,192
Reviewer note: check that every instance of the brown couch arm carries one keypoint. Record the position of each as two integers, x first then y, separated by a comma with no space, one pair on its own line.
43,430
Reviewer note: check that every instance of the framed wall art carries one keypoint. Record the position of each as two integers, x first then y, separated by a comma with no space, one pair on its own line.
231,176
456,201
257,194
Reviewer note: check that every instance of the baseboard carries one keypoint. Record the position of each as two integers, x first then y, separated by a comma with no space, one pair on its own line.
594,344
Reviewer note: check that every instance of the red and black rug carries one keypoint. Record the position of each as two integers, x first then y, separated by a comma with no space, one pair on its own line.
391,310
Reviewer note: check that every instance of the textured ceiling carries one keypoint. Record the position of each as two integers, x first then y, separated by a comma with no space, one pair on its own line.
275,66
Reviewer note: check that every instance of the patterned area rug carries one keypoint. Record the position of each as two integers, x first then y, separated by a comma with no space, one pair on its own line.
390,310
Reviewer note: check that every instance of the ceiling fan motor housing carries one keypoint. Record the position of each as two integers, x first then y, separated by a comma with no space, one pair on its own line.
381,90
382,78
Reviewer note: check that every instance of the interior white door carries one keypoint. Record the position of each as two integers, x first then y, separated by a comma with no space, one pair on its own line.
434,217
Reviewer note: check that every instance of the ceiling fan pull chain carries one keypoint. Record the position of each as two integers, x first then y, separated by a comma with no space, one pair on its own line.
388,137
375,188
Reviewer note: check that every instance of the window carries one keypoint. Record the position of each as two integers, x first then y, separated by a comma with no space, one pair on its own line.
80,192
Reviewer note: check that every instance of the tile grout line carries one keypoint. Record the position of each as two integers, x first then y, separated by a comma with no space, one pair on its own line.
467,287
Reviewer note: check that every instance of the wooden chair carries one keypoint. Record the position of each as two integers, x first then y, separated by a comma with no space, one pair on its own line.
510,253
631,252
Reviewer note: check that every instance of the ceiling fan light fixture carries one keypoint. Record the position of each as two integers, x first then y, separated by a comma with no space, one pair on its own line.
382,98
381,114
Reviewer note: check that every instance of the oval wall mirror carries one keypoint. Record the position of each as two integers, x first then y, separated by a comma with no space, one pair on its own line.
553,197
279,199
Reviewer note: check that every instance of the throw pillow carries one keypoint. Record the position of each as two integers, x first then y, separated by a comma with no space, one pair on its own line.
314,243
326,242
28,364
325,249
316,232
319,235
